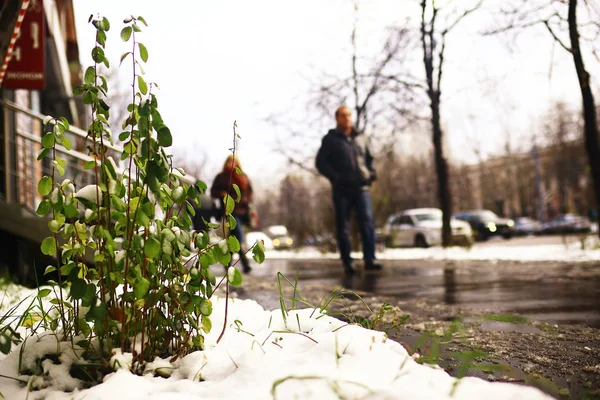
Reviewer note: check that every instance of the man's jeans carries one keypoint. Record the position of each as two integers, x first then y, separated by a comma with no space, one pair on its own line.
359,200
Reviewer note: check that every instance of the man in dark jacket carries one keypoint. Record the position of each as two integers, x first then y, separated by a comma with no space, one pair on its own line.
344,158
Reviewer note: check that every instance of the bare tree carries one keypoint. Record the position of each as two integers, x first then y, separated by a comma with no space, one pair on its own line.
554,15
433,40
376,89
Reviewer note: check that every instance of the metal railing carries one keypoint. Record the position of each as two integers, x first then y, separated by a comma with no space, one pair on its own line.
22,143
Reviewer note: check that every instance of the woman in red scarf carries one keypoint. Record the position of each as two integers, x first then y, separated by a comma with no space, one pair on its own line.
222,185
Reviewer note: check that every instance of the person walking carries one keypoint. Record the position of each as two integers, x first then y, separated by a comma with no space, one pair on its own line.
345,159
223,185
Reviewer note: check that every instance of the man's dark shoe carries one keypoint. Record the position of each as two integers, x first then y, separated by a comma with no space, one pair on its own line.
246,265
372,266
349,269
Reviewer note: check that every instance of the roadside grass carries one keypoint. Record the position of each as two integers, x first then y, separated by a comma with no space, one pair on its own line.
427,350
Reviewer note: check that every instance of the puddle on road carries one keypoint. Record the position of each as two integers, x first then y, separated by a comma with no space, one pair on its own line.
550,293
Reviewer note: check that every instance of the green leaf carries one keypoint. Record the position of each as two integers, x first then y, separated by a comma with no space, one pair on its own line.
59,167
54,226
126,33
123,56
258,252
143,52
45,186
105,24
97,23
49,246
90,75
43,293
89,164
201,186
98,54
235,277
48,140
78,288
61,162
101,38
141,287
206,307
237,193
167,248
152,247
142,85
65,122
49,269
67,143
5,342
232,221
206,324
229,204
71,211
123,136
142,20
43,154
233,244
43,207
165,139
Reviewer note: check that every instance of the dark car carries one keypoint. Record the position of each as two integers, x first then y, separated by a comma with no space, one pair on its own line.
527,226
486,223
567,223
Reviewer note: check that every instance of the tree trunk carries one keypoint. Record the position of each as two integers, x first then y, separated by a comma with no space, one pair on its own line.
589,109
433,92
441,167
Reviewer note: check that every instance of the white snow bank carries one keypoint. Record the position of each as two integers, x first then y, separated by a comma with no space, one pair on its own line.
263,356
551,252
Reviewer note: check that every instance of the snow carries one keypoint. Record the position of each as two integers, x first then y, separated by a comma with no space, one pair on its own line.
90,193
264,354
303,354
571,252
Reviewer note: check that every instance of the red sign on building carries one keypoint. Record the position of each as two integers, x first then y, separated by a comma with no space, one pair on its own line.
26,69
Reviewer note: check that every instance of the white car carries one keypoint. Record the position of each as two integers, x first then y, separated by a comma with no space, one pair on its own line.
280,236
422,227
252,236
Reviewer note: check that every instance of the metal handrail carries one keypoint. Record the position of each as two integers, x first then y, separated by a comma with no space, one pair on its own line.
73,153
72,129
24,175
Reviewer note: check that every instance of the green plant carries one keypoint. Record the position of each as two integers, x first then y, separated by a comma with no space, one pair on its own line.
149,288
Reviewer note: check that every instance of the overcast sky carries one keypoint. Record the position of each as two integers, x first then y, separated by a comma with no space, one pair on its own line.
236,60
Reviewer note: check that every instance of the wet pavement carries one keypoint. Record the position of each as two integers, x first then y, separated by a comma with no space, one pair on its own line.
556,293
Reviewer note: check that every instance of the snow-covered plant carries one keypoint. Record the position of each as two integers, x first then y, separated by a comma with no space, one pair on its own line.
148,291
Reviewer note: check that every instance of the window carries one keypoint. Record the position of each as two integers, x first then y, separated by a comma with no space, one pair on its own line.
405,220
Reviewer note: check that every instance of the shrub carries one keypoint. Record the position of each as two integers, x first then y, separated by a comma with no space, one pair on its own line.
149,288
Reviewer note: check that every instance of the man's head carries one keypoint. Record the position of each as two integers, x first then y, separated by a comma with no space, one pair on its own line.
343,118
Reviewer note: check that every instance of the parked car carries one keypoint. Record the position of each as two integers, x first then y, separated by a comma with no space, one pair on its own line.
251,237
486,223
527,226
280,237
567,223
422,227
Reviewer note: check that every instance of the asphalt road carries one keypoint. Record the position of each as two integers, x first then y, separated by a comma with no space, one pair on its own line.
563,293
